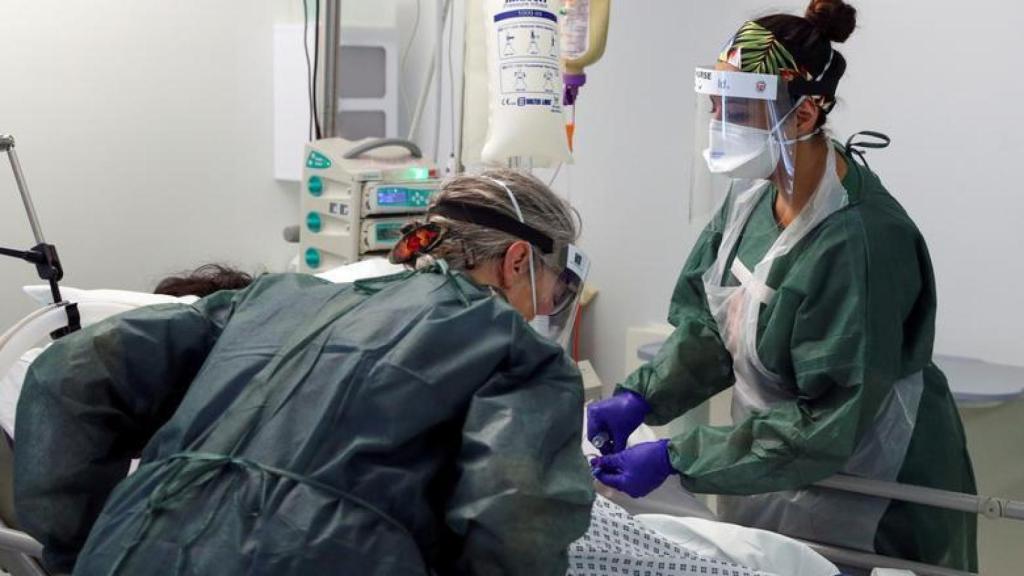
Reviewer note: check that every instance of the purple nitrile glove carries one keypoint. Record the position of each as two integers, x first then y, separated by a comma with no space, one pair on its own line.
610,422
637,470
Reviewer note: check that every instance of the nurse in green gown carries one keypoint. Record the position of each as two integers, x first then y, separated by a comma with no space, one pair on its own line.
406,425
811,294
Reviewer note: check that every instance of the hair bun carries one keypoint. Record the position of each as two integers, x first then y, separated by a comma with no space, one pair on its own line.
835,19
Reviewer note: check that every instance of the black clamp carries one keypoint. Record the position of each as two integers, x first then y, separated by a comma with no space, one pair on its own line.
48,266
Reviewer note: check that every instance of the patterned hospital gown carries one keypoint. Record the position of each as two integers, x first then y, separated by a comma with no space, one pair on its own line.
617,545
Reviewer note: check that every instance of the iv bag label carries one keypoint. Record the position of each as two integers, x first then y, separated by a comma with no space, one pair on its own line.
528,55
317,161
525,14
576,29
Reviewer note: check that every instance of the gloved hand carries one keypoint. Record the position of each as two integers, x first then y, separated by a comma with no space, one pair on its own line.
637,470
610,422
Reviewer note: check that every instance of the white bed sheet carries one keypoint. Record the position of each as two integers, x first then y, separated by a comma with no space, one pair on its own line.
679,516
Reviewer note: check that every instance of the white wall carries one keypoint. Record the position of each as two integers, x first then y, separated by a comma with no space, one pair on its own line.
145,130
933,75
938,85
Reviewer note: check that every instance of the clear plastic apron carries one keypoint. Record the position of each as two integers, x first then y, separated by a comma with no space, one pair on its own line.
820,515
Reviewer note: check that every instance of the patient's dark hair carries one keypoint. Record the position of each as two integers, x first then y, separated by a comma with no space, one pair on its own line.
204,281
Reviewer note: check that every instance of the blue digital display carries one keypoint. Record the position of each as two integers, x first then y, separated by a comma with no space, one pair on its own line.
393,196
403,197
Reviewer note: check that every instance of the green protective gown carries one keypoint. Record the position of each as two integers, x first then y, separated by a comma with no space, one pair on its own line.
415,424
853,313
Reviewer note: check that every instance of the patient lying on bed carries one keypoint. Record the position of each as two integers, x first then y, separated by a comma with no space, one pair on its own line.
186,287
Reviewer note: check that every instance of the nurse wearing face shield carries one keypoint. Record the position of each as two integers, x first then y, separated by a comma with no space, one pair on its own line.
811,294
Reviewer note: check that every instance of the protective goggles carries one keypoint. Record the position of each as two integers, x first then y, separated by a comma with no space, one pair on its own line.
574,266
568,264
572,269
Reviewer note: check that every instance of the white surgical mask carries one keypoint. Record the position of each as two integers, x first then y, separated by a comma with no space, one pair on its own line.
740,151
542,324
743,152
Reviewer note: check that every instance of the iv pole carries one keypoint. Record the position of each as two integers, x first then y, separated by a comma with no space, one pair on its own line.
43,255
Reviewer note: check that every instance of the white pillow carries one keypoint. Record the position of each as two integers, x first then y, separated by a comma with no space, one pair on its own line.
371,268
41,294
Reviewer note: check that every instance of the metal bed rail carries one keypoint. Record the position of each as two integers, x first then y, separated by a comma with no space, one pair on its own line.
990,507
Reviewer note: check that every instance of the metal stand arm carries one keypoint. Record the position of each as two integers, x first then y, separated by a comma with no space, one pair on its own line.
43,255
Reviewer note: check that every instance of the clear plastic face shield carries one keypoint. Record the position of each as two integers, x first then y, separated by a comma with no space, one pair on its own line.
564,272
559,286
743,135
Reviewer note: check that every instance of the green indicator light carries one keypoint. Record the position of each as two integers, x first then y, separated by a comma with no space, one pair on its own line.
316,186
313,258
419,173
313,222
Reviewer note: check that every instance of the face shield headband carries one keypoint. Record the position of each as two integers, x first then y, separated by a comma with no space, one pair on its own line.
756,49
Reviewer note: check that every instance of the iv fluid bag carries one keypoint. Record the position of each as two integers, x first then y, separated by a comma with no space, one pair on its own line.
525,83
